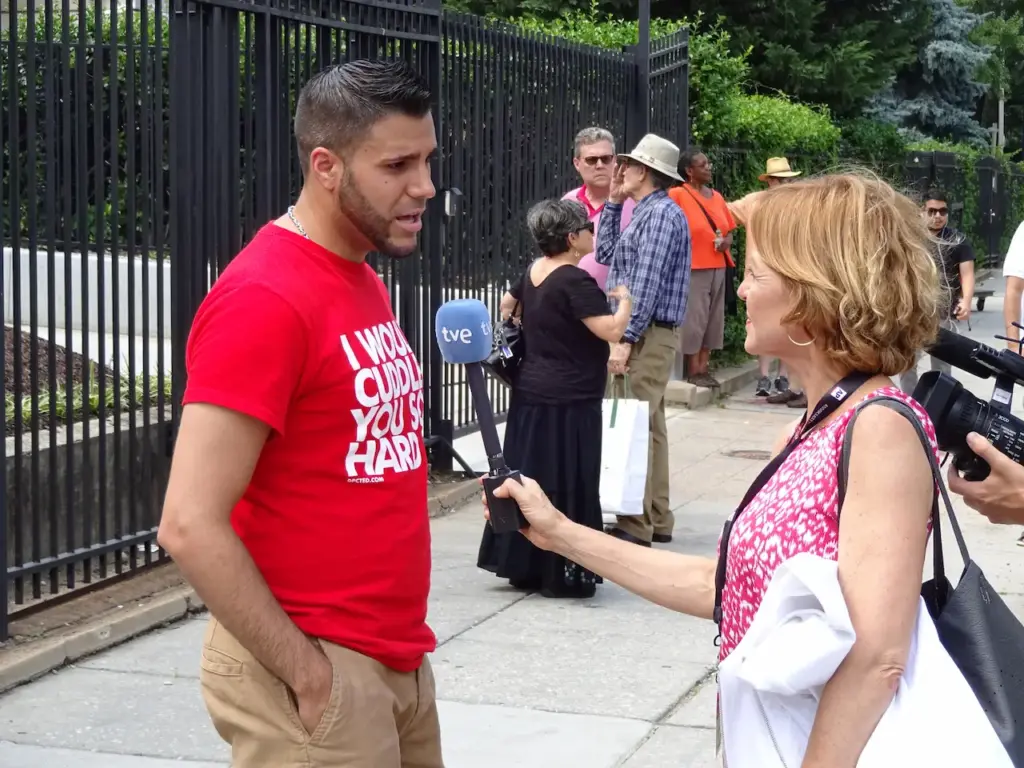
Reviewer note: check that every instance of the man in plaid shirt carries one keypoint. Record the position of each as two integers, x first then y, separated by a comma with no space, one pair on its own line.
651,257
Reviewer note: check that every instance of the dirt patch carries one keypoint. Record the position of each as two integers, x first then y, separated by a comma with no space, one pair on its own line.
54,404
75,611
41,363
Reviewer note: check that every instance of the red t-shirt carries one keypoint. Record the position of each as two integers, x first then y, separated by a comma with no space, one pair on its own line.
335,516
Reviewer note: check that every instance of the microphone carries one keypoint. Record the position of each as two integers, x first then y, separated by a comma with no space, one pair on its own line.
959,352
464,336
974,357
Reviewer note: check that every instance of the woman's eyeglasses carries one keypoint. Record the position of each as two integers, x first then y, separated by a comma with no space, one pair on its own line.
588,227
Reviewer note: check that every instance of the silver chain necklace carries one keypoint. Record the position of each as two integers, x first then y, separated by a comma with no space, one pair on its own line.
295,221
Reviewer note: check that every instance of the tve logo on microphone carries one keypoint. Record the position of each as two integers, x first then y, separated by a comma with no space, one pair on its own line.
463,331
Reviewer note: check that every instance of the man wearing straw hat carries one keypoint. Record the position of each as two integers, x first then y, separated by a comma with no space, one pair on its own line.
651,257
777,171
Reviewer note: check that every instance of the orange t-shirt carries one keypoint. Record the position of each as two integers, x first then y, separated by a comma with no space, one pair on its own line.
702,237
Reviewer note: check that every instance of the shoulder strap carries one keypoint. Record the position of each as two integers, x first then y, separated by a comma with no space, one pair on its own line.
707,215
844,468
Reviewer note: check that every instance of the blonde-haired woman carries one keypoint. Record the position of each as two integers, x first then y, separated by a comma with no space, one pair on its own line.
845,297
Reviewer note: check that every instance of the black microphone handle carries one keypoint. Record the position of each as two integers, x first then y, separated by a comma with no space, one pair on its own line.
485,416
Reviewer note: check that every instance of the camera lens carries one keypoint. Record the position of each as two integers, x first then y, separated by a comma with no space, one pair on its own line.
967,414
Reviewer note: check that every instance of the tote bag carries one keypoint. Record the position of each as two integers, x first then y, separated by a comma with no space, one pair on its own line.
977,629
625,438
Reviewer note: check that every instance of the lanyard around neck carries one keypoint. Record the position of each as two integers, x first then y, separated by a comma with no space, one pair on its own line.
825,407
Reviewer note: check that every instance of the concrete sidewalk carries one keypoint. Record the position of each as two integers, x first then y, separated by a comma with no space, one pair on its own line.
524,681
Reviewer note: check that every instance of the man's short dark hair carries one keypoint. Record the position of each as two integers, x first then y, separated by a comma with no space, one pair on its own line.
339,105
937,194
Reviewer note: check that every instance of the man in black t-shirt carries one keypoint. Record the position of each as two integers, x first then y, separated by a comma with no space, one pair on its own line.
955,259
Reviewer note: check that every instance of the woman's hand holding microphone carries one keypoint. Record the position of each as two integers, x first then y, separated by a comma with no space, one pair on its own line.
546,522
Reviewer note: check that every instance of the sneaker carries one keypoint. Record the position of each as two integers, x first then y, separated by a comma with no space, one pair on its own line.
764,387
1020,541
781,384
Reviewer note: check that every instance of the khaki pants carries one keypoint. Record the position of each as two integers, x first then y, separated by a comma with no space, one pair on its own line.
650,366
376,718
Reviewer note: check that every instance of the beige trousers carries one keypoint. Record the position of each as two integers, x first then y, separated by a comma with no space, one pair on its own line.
650,367
376,717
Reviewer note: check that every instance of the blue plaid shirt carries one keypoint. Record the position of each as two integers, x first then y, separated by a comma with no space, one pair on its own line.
651,258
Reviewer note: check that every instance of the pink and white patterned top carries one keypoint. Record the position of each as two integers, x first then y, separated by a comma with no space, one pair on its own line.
796,511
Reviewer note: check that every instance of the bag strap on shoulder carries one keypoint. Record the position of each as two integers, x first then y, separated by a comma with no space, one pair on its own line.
908,413
711,221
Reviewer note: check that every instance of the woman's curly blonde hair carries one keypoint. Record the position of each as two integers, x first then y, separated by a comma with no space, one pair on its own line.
857,256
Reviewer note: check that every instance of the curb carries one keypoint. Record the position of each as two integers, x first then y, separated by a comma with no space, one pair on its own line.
35,659
453,498
693,397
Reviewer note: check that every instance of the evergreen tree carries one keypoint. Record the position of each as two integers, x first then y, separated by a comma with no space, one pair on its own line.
833,52
937,95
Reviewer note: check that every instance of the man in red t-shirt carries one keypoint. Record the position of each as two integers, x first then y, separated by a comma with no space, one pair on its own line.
297,503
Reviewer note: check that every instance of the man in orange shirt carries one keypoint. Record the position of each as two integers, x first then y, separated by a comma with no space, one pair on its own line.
711,226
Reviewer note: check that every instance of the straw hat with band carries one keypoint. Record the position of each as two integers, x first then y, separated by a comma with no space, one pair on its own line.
778,167
656,153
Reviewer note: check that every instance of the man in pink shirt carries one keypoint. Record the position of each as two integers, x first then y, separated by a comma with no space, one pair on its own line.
594,158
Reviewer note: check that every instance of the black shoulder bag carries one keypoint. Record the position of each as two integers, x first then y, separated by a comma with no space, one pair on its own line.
977,629
507,354
825,408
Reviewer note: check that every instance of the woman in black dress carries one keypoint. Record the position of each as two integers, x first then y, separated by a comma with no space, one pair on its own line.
553,432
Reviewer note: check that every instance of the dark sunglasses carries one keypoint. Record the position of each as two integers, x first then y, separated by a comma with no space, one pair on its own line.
937,211
588,227
594,159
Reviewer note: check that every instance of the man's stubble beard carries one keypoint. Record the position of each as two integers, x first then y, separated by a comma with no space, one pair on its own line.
374,227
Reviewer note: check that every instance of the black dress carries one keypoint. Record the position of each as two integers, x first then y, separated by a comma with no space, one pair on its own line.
553,431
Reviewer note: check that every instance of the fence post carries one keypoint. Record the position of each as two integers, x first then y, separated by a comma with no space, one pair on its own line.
638,119
183,82
3,521
433,376
684,128
990,221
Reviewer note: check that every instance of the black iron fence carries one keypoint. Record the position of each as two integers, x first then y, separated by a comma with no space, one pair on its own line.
144,143
86,299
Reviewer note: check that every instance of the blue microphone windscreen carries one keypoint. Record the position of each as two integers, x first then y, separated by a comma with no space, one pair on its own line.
463,330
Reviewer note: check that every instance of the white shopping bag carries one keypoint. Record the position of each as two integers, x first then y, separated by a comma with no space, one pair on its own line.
624,445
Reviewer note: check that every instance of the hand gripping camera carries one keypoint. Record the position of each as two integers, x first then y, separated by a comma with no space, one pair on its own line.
955,412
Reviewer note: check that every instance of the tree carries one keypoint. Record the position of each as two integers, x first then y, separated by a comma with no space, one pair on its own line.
1002,32
937,95
831,52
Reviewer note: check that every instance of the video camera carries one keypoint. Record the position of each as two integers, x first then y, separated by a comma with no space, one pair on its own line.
955,412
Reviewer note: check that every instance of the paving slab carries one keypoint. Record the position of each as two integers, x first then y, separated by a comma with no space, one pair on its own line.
698,710
673,747
507,737
28,756
565,674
